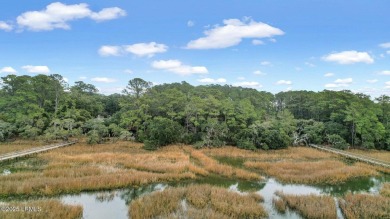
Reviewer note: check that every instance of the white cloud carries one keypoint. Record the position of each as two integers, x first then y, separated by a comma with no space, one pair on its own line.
108,14
340,83
310,64
103,80
388,52
272,40
372,81
212,81
36,69
5,26
8,70
166,64
138,49
258,72
385,45
65,79
110,51
240,78
283,82
265,63
250,84
232,33
128,71
329,74
387,72
58,15
349,57
146,49
344,81
332,86
177,67
387,85
82,77
190,23
257,42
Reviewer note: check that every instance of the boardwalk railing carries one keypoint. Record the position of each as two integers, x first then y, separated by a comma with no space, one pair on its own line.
358,157
16,154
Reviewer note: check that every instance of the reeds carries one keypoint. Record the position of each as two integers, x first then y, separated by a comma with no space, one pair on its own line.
291,153
214,166
50,209
309,206
188,202
312,172
380,155
365,206
52,186
19,145
86,168
385,191
162,203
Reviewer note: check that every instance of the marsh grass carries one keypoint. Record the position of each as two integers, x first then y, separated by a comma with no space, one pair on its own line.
48,209
88,168
380,155
385,191
280,205
312,172
291,153
188,202
214,166
84,167
19,145
365,206
309,206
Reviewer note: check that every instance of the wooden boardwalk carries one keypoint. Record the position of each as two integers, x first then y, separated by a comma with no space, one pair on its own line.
16,154
358,157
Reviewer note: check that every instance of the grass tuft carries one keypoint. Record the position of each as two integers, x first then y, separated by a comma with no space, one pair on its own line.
188,202
365,206
50,209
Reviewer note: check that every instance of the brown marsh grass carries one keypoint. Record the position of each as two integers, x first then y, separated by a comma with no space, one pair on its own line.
385,191
214,166
85,168
312,172
291,153
188,202
19,145
280,205
49,209
36,184
365,206
380,155
309,206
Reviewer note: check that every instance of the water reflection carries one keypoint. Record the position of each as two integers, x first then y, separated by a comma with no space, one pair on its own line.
114,204
357,185
109,204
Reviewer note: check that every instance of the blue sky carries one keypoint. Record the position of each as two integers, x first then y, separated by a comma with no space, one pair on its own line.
270,45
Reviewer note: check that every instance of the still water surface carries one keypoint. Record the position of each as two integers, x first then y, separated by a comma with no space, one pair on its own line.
114,204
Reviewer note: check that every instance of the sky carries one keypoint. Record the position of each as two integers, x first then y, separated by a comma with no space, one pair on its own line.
271,45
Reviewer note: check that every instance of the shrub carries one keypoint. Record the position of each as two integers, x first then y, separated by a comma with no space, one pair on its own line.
337,141
160,132
246,144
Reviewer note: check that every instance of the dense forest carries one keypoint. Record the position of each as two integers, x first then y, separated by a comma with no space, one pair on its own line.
45,107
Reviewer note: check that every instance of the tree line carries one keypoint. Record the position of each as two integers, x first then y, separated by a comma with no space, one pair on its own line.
46,107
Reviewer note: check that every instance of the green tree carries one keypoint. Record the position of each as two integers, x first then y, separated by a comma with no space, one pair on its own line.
137,87
160,132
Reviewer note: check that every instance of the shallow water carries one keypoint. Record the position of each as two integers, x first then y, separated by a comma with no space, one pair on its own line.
114,204
109,204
